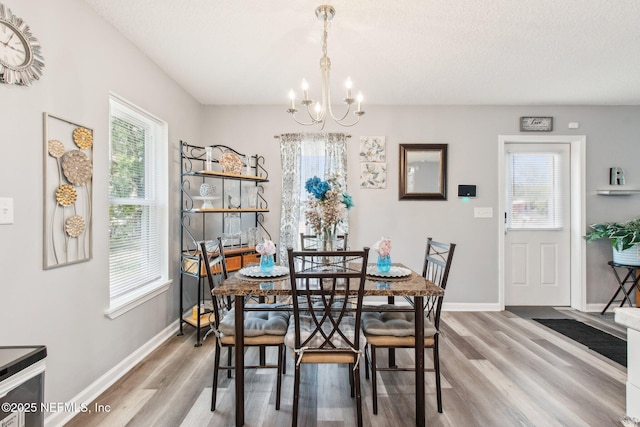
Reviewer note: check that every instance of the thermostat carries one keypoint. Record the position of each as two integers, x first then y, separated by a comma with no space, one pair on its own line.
466,191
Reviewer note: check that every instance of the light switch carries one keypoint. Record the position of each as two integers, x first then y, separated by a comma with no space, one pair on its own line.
6,211
483,212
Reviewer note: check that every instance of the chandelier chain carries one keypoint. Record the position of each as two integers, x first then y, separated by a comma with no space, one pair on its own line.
325,35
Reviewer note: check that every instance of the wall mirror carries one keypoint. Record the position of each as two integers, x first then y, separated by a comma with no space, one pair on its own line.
423,171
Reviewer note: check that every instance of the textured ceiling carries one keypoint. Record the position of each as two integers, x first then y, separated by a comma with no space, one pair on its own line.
402,52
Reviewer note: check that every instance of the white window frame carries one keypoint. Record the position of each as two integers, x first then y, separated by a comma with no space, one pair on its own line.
132,296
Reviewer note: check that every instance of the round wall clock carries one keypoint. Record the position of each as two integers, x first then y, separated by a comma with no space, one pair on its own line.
21,62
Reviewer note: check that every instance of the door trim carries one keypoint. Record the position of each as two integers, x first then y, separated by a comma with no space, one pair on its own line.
578,214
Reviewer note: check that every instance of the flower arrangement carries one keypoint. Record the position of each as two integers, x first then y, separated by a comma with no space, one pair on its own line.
383,247
329,205
266,248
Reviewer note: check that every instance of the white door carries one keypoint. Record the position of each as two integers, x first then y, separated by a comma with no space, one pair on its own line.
537,224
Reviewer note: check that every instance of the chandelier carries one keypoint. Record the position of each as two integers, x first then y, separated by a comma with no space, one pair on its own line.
322,109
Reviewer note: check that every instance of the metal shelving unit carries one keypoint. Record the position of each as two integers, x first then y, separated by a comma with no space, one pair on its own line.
203,223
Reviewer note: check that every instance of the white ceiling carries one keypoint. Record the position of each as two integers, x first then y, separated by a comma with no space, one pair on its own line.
401,52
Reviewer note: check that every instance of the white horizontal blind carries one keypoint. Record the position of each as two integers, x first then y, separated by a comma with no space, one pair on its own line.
135,245
534,193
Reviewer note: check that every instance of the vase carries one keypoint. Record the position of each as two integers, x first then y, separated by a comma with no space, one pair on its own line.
327,240
209,158
266,263
384,263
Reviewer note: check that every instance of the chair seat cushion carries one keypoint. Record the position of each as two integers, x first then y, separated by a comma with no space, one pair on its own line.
257,323
393,323
307,326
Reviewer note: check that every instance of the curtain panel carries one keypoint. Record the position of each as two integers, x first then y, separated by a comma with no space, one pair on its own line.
332,150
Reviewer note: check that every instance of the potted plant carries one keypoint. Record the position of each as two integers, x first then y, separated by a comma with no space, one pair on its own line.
624,238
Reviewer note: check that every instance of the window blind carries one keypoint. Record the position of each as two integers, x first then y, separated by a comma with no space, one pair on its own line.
135,246
534,193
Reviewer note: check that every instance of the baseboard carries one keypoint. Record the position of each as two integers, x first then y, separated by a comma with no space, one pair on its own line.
466,306
94,390
598,307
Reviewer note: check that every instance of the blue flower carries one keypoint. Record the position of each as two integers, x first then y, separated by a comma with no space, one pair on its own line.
311,183
347,200
317,187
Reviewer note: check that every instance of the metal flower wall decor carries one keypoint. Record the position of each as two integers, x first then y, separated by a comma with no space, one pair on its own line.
68,177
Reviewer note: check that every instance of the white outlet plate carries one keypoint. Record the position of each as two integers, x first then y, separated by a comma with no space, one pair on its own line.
483,212
6,210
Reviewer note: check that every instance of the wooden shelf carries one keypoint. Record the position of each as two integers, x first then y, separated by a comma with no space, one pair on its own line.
233,250
230,175
204,319
617,192
226,210
236,258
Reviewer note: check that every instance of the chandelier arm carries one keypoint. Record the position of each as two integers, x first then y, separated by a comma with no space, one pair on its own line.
313,119
341,123
313,122
326,95
321,123
341,118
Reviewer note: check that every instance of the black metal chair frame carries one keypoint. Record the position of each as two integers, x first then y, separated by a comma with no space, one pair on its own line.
216,270
309,242
437,263
319,294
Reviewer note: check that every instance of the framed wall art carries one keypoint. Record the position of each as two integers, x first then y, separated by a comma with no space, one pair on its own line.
536,124
372,149
373,175
373,166
68,179
423,172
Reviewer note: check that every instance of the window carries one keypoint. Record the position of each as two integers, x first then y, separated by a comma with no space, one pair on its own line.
302,157
534,190
312,163
138,227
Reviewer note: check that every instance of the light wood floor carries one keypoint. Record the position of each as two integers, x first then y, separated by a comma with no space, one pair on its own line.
498,370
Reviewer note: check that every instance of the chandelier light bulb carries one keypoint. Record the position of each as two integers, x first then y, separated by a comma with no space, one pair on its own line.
305,89
360,97
292,97
349,85
318,110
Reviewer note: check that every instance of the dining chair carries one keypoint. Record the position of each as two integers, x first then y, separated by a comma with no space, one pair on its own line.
310,242
325,325
266,327
389,329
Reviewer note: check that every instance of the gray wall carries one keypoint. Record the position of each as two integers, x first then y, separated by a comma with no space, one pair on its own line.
63,308
471,133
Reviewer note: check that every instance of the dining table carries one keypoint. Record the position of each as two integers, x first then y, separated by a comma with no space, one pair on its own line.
409,284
